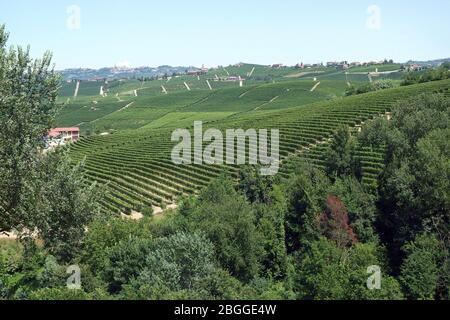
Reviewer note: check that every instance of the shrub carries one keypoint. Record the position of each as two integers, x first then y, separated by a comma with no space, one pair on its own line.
147,211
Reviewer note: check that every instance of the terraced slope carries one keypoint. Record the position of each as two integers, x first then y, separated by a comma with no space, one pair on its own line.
87,110
136,164
99,114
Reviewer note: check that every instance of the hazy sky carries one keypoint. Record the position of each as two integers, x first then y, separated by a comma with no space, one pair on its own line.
148,32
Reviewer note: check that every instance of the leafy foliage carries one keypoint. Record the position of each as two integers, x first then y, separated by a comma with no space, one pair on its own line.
230,223
328,272
334,223
372,86
174,264
28,92
40,194
360,203
340,159
305,192
439,73
414,189
422,269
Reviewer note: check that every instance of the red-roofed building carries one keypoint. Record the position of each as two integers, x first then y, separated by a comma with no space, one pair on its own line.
72,133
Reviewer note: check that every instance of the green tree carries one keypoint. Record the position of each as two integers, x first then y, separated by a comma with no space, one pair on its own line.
373,86
431,168
53,294
414,187
229,221
270,226
423,267
416,117
104,233
175,264
40,194
269,204
254,186
306,191
340,158
327,272
52,275
66,205
28,91
126,260
267,289
374,133
361,207
410,78
220,285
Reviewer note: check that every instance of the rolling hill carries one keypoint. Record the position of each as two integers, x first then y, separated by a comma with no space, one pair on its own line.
137,168
155,109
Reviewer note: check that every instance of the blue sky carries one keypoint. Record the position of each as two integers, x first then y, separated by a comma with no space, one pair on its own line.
148,32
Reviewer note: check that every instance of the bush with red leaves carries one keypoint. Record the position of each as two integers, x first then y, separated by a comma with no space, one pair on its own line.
334,223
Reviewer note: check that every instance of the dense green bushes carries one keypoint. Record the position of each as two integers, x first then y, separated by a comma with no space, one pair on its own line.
333,273
414,190
440,73
372,86
219,246
423,270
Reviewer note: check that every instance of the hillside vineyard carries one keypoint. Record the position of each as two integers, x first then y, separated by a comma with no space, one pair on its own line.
136,165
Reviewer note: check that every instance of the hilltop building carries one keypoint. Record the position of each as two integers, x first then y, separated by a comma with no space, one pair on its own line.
228,79
343,65
195,72
68,134
60,136
234,78
414,67
203,70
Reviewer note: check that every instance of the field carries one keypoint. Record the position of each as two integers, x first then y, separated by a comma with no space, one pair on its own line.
135,161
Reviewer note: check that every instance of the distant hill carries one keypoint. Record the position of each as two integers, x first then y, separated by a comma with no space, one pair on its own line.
121,72
433,63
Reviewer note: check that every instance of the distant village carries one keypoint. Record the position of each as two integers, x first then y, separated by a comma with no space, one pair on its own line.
345,65
165,72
